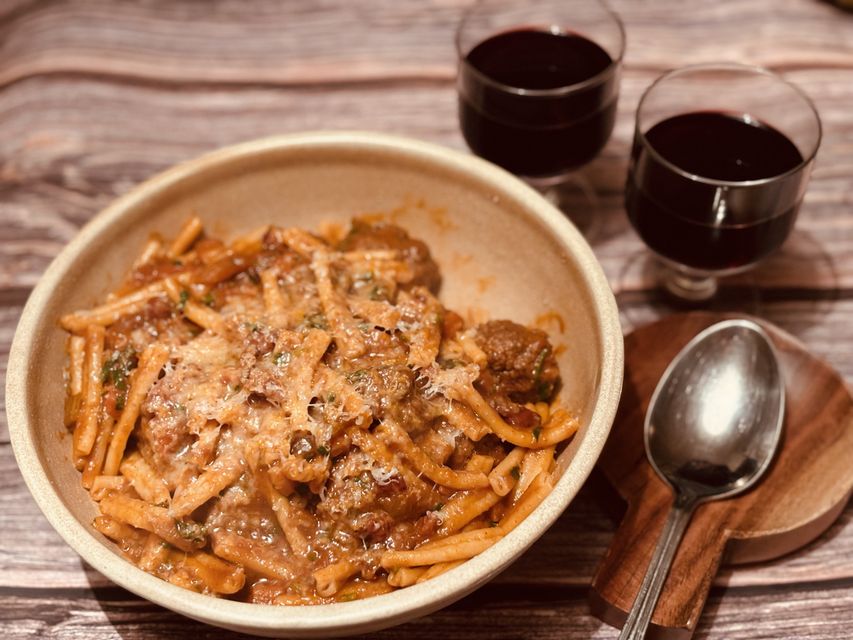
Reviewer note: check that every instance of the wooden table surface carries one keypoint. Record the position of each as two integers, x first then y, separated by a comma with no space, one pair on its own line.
97,95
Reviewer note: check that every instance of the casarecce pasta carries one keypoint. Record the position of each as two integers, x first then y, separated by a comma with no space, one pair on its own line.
294,418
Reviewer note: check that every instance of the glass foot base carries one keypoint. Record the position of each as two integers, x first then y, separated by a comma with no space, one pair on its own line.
689,287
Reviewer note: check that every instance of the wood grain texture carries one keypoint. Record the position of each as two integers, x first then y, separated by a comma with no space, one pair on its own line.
806,487
496,612
267,41
97,95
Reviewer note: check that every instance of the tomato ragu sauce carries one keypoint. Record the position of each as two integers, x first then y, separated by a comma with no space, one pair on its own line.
293,418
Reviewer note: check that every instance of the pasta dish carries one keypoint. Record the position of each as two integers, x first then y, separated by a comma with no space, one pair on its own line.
294,418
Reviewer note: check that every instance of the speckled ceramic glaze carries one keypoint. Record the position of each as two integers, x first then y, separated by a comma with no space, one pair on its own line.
503,250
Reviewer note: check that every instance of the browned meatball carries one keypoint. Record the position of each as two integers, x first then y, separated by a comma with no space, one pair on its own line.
373,526
521,364
380,235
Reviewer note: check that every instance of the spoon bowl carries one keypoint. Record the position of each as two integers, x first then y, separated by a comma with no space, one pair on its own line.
715,418
712,428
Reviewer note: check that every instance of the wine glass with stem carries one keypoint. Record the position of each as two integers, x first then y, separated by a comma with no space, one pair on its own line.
538,85
721,158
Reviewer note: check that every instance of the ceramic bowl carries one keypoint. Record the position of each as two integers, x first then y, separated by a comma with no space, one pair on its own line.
504,251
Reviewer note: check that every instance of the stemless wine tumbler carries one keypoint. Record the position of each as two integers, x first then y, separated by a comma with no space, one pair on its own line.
721,158
538,83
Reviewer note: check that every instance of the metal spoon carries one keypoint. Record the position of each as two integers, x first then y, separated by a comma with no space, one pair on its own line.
712,427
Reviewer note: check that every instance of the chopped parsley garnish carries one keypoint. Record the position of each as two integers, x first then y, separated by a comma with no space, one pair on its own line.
378,292
515,472
331,397
208,299
189,530
282,358
493,523
543,389
356,376
438,507
182,300
322,450
537,432
540,363
115,372
316,321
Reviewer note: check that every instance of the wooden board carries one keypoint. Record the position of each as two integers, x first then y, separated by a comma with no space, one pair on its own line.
804,491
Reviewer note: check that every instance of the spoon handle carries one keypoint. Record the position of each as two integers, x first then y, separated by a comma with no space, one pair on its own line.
644,606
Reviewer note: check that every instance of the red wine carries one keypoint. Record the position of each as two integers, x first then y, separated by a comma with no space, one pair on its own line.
537,135
706,225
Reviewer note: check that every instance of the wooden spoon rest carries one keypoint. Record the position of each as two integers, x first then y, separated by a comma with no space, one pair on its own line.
803,492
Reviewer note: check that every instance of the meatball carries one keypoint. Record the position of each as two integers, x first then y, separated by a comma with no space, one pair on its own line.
520,362
380,235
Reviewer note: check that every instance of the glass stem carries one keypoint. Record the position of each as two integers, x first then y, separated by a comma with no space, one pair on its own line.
693,287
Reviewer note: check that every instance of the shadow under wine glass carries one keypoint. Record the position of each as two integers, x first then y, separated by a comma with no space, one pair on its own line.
538,85
773,290
721,158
